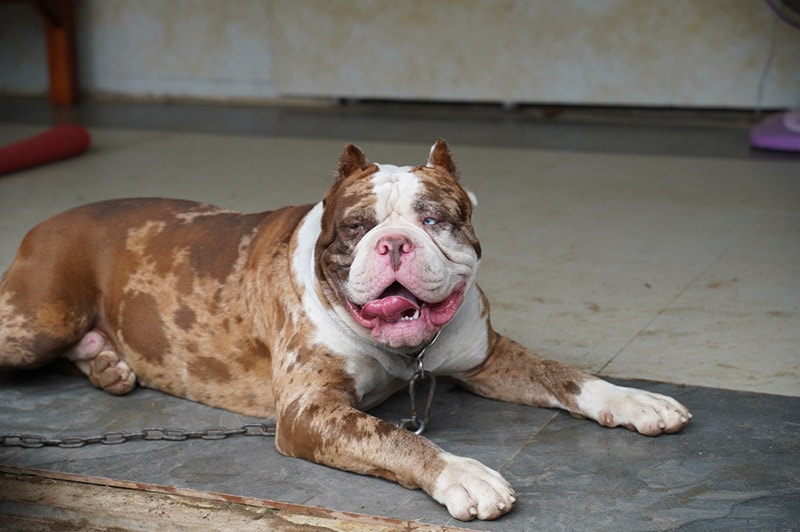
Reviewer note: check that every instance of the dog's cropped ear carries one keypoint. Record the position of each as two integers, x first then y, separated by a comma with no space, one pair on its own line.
440,156
351,161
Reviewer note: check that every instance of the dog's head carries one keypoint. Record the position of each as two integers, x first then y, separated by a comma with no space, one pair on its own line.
397,252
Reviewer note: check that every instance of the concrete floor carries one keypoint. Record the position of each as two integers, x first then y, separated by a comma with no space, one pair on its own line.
660,249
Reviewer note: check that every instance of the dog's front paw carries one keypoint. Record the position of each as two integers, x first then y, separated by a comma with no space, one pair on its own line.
645,412
471,490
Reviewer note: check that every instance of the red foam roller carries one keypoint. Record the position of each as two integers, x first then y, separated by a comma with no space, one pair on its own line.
56,143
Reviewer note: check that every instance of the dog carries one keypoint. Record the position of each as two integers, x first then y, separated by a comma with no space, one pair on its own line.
308,315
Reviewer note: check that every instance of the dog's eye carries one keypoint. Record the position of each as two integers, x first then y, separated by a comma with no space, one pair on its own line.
430,221
353,229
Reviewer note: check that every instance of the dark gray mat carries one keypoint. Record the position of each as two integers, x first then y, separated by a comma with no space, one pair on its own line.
736,466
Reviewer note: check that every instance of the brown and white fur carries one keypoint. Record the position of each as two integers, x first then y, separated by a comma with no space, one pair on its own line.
308,315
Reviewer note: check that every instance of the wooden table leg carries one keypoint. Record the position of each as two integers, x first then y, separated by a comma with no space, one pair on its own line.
59,16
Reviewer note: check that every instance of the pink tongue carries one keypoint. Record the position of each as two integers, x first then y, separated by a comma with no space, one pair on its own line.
390,308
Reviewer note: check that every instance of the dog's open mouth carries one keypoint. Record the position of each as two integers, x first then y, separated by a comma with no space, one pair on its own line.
394,304
399,317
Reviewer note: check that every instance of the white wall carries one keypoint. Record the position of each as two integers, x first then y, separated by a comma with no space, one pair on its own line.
708,53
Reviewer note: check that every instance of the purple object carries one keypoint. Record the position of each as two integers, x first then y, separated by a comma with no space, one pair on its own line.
777,132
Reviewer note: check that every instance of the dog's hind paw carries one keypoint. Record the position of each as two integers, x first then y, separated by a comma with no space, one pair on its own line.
105,368
112,374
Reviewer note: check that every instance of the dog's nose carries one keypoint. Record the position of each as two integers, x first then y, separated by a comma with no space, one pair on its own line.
394,247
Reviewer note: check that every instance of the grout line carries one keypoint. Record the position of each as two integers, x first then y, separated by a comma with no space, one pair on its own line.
528,441
683,290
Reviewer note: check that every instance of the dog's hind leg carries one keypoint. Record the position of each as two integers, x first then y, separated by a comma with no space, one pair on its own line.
48,307
38,326
34,332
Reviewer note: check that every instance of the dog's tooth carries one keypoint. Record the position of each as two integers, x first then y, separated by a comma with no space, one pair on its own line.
412,317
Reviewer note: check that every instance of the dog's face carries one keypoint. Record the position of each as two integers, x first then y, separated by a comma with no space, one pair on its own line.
397,252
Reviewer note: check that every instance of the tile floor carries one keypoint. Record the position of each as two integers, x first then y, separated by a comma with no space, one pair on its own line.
628,249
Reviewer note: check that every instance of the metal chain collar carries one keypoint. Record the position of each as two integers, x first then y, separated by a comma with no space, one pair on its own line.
148,434
415,423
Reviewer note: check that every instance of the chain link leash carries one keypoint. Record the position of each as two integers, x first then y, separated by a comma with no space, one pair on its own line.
415,423
33,441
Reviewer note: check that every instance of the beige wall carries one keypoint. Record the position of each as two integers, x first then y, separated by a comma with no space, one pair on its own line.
628,52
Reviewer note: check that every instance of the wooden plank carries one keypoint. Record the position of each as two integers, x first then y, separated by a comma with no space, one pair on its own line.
32,499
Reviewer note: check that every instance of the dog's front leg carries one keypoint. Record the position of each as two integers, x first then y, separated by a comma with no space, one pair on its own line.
512,372
324,427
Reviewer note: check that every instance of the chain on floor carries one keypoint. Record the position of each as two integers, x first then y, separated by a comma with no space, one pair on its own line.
148,434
